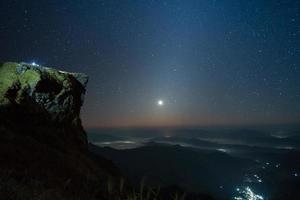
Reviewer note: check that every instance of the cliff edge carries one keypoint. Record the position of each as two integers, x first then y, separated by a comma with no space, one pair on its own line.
43,146
35,96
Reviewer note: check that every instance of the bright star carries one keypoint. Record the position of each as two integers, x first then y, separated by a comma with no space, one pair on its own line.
160,102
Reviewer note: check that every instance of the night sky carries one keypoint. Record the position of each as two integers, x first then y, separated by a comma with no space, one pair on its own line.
209,62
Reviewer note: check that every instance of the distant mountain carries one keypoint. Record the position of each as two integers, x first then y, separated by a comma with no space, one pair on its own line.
268,163
265,144
173,164
237,139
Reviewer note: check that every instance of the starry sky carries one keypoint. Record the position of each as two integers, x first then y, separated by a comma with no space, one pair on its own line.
211,62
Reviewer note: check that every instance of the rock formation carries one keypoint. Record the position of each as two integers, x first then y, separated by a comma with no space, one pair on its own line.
43,96
41,136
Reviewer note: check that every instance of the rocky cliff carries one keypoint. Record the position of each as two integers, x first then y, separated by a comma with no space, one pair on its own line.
34,96
42,143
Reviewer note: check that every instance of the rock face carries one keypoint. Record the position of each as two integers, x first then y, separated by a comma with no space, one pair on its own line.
43,95
43,146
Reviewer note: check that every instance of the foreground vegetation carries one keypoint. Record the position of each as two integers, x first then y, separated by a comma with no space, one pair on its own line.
12,189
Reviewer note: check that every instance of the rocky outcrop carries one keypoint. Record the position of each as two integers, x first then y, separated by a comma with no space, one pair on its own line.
43,96
41,137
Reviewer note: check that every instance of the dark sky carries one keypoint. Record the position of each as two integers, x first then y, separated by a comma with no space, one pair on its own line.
210,62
